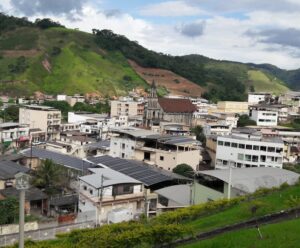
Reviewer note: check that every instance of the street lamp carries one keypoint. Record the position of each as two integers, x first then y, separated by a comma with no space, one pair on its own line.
22,184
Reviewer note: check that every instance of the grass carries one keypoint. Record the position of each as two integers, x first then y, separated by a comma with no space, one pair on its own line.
264,82
271,203
279,235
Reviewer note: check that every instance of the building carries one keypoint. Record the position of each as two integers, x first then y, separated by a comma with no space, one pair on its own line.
232,107
106,190
263,115
216,129
258,97
46,118
14,135
214,184
164,151
248,150
126,108
174,110
8,170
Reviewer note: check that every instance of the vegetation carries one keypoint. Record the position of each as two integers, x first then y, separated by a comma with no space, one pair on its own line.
11,113
281,234
295,124
50,177
184,170
63,106
198,131
9,208
182,222
244,121
292,167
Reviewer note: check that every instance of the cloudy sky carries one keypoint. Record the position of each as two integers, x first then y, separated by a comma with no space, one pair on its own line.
259,31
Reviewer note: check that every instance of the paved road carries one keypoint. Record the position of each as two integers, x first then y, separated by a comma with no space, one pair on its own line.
44,233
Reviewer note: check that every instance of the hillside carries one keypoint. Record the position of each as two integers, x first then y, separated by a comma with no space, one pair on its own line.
45,56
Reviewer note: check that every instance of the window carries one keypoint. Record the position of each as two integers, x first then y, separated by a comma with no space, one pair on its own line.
254,158
242,146
161,158
263,148
256,148
84,187
227,143
123,146
123,155
263,158
225,162
239,165
240,156
123,189
91,191
271,149
278,150
248,157
249,147
220,143
234,145
132,148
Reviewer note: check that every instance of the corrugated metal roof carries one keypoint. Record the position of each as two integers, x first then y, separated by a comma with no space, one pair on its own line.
251,179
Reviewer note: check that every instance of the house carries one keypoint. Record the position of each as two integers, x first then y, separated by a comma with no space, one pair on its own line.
258,97
243,149
8,170
175,110
164,151
263,115
36,201
106,190
14,135
126,108
48,119
214,184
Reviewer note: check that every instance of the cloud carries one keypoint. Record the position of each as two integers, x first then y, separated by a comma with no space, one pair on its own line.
192,29
248,5
56,7
285,37
171,8
112,13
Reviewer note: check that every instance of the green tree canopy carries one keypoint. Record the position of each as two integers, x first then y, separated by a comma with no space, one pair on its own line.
244,120
11,113
198,131
50,177
184,170
9,208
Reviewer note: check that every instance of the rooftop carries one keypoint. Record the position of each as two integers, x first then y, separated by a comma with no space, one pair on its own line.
140,171
254,138
9,169
32,194
9,124
40,107
110,177
251,179
171,105
59,158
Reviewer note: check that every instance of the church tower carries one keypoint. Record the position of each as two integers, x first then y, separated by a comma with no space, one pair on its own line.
153,108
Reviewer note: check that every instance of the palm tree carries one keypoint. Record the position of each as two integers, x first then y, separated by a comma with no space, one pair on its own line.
50,177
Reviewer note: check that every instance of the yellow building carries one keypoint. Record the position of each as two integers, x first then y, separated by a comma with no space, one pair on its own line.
232,107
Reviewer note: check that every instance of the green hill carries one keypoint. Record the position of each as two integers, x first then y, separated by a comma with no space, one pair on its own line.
45,56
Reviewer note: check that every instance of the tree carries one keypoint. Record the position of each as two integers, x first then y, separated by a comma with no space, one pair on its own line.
9,208
47,23
184,170
50,177
63,106
244,120
198,131
11,113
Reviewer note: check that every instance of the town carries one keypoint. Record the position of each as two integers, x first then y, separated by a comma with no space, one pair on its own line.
93,161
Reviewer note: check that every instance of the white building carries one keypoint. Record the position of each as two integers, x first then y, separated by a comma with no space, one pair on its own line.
240,151
14,134
216,129
263,116
257,97
126,108
106,191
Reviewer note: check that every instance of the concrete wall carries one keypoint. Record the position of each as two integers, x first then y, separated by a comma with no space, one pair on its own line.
14,228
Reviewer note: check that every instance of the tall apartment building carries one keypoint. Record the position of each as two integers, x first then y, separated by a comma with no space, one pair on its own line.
126,108
48,119
252,151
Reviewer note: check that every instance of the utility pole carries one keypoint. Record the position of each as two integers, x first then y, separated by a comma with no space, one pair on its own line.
101,197
229,181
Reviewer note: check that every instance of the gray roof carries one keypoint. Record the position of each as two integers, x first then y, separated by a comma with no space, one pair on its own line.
59,158
251,179
135,132
110,177
103,144
149,176
9,124
64,200
32,194
9,169
179,195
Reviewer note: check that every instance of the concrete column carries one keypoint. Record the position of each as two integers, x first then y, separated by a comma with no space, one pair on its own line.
21,218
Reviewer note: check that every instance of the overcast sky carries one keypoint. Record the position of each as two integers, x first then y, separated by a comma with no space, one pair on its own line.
259,31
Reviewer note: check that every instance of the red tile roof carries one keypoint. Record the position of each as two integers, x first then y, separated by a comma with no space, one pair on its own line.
170,105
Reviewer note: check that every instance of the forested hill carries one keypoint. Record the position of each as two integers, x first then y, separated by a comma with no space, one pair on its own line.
45,56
